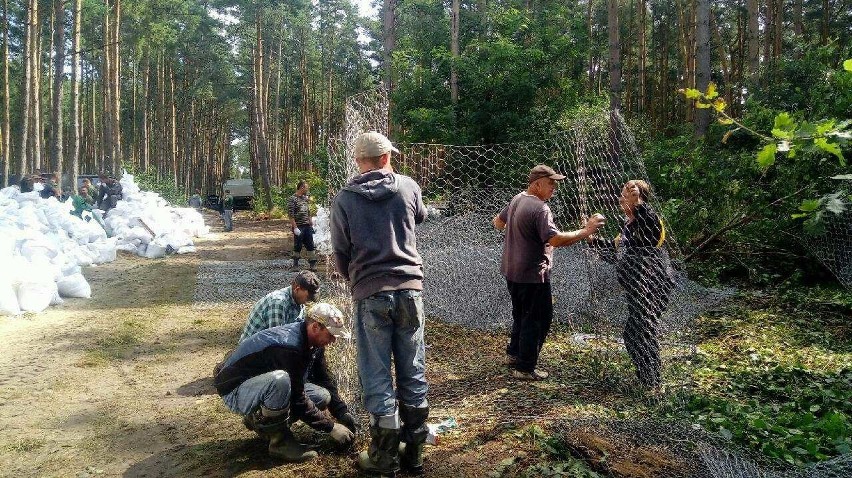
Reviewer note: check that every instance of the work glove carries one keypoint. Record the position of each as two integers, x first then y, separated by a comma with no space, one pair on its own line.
346,419
341,434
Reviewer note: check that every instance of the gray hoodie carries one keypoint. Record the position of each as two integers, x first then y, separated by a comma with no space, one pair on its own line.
372,233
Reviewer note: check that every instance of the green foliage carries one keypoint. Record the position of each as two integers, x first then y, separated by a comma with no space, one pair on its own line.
776,376
165,187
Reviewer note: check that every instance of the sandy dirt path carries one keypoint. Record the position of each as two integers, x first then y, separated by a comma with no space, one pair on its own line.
119,385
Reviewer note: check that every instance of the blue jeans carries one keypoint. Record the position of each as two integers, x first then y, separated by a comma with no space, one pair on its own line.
272,390
391,323
228,219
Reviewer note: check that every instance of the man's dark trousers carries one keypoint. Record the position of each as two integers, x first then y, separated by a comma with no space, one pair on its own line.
532,314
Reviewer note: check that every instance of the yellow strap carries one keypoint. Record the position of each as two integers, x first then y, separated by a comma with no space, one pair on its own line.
662,234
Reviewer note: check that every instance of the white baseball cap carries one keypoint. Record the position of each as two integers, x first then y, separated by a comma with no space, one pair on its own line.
372,144
331,317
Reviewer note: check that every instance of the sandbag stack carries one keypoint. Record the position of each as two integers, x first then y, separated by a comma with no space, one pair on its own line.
43,246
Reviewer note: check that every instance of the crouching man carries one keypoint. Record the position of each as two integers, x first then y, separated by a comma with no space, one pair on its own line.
263,380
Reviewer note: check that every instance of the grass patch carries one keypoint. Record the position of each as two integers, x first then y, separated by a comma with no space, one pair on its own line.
777,375
23,445
118,344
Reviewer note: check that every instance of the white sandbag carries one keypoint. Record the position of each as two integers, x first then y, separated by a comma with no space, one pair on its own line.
155,250
57,299
35,296
186,250
127,247
8,299
106,251
74,285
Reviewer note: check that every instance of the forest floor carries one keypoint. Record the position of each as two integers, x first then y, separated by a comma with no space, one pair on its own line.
120,385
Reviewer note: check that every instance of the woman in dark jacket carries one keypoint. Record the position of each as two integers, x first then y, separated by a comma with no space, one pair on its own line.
640,267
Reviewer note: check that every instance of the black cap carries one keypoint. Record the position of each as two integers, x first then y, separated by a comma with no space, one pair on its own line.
309,281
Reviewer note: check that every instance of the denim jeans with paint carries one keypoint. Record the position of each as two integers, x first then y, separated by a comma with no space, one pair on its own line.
390,324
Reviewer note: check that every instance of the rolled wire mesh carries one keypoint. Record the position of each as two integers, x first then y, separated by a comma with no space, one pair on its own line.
833,245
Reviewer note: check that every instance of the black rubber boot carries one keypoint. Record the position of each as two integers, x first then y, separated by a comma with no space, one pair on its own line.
413,436
382,457
283,445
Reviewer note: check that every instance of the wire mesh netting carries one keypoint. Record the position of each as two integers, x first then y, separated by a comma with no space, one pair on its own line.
624,291
833,245
625,286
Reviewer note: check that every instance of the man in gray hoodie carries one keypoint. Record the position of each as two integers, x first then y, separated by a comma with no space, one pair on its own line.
372,236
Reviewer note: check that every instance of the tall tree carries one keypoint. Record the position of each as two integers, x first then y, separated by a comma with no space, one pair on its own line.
76,72
454,51
56,123
5,130
614,55
702,57
753,12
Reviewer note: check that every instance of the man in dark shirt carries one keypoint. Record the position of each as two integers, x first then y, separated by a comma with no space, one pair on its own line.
302,226
263,379
527,260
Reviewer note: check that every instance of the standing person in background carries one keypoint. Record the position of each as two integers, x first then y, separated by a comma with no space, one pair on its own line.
639,264
372,236
527,260
103,190
228,211
302,226
195,200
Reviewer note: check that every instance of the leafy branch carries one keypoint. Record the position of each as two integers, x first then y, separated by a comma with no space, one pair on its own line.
791,137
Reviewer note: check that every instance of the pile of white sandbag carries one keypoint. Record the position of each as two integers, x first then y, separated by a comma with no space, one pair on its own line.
42,247
145,224
322,231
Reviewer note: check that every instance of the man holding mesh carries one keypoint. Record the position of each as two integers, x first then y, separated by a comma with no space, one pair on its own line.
263,380
372,236
527,260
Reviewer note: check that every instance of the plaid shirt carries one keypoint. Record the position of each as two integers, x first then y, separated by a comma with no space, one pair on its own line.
276,308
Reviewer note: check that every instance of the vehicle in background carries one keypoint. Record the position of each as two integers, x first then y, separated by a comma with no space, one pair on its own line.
242,191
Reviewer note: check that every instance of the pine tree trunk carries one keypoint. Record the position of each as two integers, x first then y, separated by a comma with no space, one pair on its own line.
702,70
58,76
36,133
753,11
614,55
76,45
7,123
798,26
779,28
454,51
144,146
590,31
106,86
389,44
643,53
116,89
